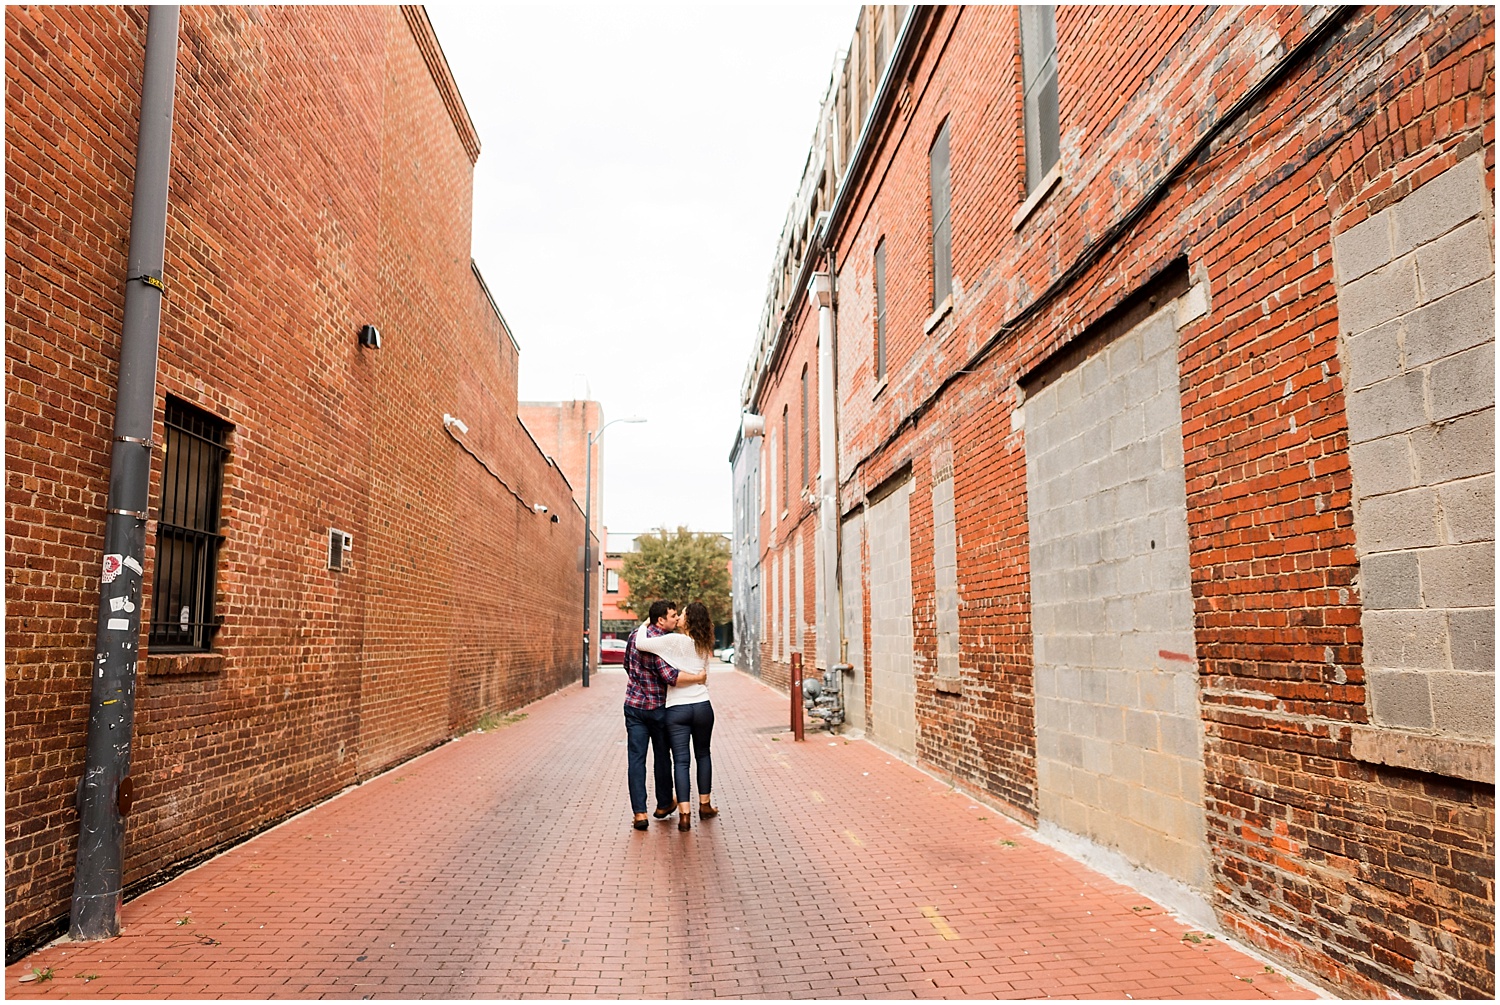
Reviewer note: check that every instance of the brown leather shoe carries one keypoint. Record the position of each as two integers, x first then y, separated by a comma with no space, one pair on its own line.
684,821
706,812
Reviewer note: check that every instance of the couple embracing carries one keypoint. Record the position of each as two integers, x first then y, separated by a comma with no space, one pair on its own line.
667,707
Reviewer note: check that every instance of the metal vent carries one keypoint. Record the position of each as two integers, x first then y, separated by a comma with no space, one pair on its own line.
340,545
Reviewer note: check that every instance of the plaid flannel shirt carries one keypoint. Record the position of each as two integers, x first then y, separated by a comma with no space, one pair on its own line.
649,674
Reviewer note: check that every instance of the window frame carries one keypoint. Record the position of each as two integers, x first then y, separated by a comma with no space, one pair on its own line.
1041,118
880,347
806,473
786,457
940,190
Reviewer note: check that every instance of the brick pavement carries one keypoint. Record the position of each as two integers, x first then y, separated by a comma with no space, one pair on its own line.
503,865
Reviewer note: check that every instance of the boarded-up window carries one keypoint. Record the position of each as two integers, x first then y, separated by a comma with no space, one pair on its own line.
1039,83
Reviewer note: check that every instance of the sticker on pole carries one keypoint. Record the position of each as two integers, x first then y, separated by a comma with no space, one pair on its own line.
112,566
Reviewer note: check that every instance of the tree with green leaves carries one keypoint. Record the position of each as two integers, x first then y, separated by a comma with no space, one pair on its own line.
681,566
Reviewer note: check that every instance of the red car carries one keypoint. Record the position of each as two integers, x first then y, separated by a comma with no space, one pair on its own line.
611,651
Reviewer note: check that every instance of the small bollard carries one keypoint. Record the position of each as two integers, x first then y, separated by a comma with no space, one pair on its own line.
796,691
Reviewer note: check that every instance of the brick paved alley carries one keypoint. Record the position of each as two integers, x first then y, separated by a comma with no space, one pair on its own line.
503,865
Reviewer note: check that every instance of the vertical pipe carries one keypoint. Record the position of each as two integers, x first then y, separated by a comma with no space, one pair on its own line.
796,691
830,621
588,558
105,786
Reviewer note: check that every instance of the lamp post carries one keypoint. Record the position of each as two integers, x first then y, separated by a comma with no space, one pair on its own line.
588,555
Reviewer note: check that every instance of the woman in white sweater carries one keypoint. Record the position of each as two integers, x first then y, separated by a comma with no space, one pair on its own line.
690,715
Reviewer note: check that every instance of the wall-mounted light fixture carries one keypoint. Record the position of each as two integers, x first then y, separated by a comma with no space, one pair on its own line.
369,337
752,425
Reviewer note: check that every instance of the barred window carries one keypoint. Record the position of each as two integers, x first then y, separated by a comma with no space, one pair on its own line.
187,536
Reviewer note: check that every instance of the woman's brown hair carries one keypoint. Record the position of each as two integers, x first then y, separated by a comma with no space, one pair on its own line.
700,628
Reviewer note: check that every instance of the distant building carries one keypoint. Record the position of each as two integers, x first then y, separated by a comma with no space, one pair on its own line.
1128,402
745,565
614,622
619,623
561,429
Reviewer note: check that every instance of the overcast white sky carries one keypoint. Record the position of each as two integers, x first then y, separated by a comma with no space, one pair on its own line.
637,165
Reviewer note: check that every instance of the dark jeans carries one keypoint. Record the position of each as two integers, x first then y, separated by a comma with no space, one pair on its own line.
643,726
692,722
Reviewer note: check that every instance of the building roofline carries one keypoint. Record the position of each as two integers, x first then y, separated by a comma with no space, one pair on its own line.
442,76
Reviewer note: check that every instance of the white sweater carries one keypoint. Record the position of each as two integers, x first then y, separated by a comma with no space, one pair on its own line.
682,653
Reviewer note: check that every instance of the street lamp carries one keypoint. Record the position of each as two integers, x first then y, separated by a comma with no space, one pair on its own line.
588,556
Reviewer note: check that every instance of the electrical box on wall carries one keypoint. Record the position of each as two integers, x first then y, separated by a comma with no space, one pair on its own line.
340,548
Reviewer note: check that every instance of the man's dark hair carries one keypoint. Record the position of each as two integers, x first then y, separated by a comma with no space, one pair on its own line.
659,609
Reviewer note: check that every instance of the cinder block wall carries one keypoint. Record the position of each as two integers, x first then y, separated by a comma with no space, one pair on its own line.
1416,296
1119,730
319,182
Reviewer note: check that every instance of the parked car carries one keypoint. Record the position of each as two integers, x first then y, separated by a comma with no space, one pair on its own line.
727,654
611,651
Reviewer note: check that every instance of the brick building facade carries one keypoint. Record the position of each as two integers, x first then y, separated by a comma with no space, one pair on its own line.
561,429
1161,505
322,173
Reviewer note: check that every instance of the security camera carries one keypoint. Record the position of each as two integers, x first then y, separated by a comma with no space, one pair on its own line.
539,508
454,422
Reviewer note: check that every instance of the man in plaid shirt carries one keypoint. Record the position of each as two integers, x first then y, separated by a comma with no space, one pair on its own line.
645,715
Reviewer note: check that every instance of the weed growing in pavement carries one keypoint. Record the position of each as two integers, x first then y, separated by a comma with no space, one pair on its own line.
491,721
87,977
186,919
38,974
1007,843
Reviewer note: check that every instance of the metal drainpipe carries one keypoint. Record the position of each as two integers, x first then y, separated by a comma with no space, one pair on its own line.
830,633
104,792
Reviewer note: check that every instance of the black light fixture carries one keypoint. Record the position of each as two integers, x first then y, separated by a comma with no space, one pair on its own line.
369,337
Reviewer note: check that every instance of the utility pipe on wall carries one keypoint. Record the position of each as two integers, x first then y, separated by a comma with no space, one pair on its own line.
104,792
820,292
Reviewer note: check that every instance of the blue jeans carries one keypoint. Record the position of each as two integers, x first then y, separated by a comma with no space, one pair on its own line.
643,726
692,722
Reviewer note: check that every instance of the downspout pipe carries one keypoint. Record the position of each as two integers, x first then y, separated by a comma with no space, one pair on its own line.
820,292
104,792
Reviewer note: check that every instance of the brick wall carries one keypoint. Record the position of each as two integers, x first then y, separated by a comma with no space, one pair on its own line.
1370,876
321,180
788,525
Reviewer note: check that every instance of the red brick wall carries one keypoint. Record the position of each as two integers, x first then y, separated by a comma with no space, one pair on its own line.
1371,878
784,390
318,183
560,429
